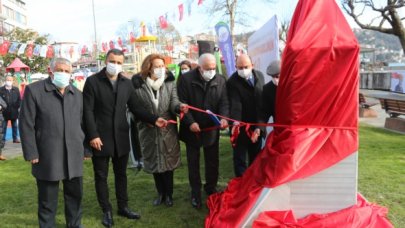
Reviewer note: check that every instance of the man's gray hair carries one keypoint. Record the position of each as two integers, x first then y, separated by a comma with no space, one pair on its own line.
204,57
59,61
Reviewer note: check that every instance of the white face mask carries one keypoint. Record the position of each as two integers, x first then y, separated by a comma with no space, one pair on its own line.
208,74
9,83
275,81
113,69
245,73
61,79
185,71
159,72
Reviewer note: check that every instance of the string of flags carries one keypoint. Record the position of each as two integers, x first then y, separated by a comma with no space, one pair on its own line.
74,51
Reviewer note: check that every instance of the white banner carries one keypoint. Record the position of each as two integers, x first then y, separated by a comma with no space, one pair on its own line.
263,46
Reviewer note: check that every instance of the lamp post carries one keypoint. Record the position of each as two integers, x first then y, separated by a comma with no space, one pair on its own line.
95,36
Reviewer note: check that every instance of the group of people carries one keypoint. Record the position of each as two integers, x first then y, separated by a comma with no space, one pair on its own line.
60,127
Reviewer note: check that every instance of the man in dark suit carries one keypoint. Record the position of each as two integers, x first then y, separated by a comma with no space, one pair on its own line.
270,90
52,140
244,91
107,94
205,89
11,95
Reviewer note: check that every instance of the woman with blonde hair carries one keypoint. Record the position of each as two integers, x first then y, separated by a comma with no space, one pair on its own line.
156,91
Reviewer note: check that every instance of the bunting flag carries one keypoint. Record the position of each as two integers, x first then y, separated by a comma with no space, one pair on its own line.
120,42
189,8
111,44
29,50
162,22
43,51
13,48
49,52
104,47
200,2
181,9
131,37
57,50
37,50
71,52
21,50
4,47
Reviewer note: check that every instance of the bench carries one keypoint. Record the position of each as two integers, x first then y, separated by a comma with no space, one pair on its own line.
363,103
394,108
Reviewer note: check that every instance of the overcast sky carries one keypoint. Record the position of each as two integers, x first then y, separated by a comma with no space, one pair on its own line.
72,20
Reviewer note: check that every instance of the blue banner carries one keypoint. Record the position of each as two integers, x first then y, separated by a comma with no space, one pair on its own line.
225,45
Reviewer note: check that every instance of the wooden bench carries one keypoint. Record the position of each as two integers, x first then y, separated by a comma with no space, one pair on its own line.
394,108
363,103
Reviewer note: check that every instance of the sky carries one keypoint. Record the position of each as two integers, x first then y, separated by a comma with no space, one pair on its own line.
72,20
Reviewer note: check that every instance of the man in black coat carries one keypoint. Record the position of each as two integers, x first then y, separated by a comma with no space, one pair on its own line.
52,140
204,89
269,91
11,95
245,92
107,94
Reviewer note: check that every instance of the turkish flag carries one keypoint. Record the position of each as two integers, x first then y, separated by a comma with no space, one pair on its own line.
162,22
112,46
29,50
181,10
4,47
49,52
200,2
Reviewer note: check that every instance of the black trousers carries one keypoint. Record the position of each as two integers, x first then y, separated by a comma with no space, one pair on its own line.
239,155
48,202
211,161
100,166
164,183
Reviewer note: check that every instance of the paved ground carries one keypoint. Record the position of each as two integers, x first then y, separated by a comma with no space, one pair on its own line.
12,150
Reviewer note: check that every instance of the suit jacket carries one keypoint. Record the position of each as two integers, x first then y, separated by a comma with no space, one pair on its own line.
269,100
13,100
245,101
51,131
212,95
105,113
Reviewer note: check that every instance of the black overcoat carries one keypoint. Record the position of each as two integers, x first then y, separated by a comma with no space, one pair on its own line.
212,95
105,113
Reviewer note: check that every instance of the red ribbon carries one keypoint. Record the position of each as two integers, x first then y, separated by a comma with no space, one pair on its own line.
247,125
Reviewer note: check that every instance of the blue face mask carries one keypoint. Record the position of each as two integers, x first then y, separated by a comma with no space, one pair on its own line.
61,79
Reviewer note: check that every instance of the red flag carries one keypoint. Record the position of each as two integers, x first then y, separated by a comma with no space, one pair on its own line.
112,46
84,50
131,37
162,22
200,2
181,10
4,47
104,47
29,50
49,52
71,51
120,42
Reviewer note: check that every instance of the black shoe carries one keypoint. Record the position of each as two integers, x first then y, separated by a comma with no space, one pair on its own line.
126,212
107,219
169,201
196,203
159,200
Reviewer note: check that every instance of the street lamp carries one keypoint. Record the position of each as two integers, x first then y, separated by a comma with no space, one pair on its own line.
95,36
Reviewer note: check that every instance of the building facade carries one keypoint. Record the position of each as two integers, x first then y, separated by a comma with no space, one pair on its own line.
13,14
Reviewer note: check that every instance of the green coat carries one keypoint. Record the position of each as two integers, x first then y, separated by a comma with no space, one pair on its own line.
159,146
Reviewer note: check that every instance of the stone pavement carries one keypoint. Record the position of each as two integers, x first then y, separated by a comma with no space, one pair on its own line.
12,150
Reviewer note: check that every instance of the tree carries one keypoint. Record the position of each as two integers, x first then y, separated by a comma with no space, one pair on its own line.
233,10
168,37
36,63
387,17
